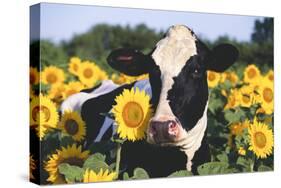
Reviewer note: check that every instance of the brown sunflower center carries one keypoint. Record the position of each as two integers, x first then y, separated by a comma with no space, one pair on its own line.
88,73
211,76
271,77
251,73
52,78
71,126
31,78
268,94
43,109
260,139
74,161
133,114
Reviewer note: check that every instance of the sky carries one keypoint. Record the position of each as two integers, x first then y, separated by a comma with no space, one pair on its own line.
60,22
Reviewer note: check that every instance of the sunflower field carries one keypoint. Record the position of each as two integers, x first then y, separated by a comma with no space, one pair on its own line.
240,128
240,124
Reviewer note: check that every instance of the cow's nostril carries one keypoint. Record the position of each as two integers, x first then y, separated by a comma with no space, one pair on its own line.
172,125
152,129
173,128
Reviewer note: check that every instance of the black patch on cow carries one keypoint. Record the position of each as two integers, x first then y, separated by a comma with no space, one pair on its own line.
90,90
157,161
156,85
93,111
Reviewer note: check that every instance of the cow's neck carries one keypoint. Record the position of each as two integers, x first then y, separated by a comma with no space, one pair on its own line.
193,138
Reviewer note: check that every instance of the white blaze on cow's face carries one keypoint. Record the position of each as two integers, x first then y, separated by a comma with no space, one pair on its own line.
171,55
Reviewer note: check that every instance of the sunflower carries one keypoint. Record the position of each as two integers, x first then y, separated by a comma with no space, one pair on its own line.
43,104
232,99
266,95
124,79
72,88
102,75
270,75
92,176
213,79
74,64
242,151
41,127
247,96
88,73
261,139
52,75
230,76
32,167
238,128
73,155
252,74
72,124
56,92
33,76
132,113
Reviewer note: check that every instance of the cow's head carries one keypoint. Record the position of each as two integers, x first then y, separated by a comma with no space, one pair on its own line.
177,69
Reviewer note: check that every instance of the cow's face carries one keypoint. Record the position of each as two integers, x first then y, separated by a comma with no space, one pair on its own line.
177,72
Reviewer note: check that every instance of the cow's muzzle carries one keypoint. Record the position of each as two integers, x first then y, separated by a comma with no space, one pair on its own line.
163,131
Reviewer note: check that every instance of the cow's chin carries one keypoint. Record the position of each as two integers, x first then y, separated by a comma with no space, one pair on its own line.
173,141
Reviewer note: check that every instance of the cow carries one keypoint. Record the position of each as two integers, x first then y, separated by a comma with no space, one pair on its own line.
178,89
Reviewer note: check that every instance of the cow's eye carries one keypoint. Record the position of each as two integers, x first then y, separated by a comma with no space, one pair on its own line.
196,73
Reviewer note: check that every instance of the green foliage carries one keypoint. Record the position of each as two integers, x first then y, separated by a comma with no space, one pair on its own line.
181,173
235,115
96,162
139,173
71,173
51,54
245,163
263,31
214,168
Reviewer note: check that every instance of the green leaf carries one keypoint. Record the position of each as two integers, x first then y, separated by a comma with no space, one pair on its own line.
214,168
263,168
234,115
126,176
71,173
181,173
96,162
222,157
140,173
245,163
112,166
215,104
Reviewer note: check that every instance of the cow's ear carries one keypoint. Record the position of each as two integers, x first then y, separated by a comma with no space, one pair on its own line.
221,57
129,61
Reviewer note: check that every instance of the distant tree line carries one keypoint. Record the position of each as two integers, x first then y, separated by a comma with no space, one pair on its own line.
96,44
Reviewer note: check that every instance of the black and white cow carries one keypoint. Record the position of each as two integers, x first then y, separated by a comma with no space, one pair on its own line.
177,85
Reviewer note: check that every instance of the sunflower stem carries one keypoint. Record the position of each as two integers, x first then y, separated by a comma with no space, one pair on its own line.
118,158
252,163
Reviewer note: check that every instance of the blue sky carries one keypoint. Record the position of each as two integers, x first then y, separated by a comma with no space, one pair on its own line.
61,22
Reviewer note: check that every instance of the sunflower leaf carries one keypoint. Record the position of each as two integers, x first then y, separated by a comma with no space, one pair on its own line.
214,168
126,176
222,157
264,168
181,173
96,162
245,163
140,173
71,173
